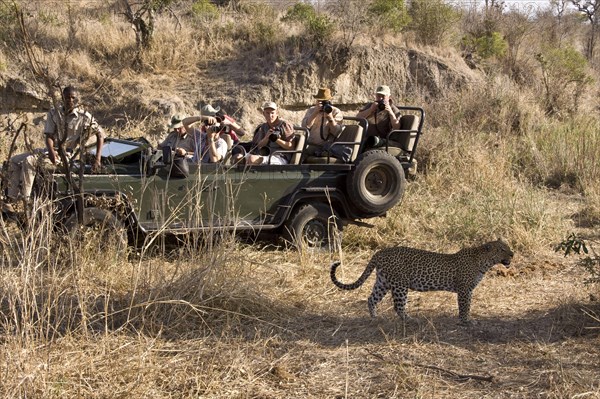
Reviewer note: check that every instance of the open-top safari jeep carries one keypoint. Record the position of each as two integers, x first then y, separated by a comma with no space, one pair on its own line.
306,202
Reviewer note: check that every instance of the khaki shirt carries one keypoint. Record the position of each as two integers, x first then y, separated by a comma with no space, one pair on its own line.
379,122
314,136
173,140
79,123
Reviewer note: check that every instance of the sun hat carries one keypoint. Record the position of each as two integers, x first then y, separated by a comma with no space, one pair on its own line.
176,121
323,94
269,105
384,90
209,110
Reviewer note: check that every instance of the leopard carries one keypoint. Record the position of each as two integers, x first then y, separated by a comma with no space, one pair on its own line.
401,268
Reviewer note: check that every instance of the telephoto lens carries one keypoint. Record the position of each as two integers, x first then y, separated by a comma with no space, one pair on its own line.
327,107
381,105
274,136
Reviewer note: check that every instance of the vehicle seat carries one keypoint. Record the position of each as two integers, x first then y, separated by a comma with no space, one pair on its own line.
403,140
300,140
297,150
351,135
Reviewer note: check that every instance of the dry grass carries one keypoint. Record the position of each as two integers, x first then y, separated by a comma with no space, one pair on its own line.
235,319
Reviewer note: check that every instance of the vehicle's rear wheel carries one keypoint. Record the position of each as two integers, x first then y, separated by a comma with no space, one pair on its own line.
101,231
314,226
377,183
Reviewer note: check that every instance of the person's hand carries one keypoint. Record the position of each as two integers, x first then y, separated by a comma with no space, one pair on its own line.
52,156
211,120
180,151
213,136
96,166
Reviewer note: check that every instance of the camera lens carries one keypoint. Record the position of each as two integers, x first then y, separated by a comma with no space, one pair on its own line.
381,105
274,136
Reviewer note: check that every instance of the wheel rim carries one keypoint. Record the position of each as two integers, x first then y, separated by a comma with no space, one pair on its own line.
315,233
379,183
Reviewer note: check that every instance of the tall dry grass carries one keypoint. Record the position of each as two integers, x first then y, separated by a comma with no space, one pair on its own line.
229,319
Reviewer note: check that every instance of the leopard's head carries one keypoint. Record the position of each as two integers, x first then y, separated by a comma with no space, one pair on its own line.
499,252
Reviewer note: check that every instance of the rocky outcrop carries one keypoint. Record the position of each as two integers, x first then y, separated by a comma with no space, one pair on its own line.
406,71
241,86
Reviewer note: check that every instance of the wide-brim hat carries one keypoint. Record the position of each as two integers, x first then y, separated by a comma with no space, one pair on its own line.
383,90
269,105
323,94
176,121
209,110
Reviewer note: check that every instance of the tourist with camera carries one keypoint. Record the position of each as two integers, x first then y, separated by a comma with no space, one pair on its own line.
193,143
232,127
323,120
383,116
269,139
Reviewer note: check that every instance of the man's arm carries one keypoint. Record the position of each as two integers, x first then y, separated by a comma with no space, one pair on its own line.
368,110
190,120
99,145
50,147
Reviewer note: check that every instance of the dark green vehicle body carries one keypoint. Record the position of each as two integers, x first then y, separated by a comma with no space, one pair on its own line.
301,200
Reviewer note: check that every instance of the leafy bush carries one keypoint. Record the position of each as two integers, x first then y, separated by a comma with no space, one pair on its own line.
204,10
390,14
574,244
432,20
319,27
489,45
564,72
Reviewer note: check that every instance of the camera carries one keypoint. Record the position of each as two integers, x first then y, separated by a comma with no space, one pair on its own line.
381,105
326,106
214,128
219,116
274,135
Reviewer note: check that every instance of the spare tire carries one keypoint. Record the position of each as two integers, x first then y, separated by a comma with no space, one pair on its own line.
376,183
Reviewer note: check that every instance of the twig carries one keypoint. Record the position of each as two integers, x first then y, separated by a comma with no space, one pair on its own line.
454,375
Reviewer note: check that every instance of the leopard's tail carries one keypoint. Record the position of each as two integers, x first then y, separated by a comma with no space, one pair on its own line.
363,277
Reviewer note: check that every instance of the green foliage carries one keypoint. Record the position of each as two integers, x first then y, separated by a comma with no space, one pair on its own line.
490,45
8,19
390,14
565,76
204,9
300,12
574,244
432,20
319,27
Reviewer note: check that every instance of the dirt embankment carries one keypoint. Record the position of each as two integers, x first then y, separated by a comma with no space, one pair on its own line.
240,86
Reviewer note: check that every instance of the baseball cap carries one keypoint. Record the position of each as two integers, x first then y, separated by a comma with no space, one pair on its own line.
384,90
269,104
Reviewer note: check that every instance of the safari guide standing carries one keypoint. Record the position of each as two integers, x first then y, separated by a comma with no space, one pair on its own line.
68,119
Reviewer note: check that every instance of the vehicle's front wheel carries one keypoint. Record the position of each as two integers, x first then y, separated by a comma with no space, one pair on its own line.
377,182
314,226
100,231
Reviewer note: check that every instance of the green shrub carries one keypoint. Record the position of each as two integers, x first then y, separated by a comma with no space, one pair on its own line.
204,10
492,45
390,14
565,76
574,244
432,20
318,27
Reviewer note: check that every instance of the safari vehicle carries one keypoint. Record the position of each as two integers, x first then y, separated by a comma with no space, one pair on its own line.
308,202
